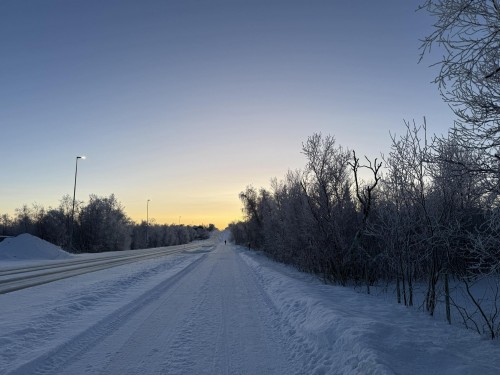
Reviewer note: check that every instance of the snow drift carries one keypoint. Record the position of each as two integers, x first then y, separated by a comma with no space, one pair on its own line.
28,247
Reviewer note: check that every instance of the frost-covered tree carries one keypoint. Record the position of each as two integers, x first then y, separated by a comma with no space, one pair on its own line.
6,225
25,220
103,225
326,184
428,219
469,77
53,227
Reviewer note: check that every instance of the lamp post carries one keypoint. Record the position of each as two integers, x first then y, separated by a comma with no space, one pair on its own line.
73,209
147,222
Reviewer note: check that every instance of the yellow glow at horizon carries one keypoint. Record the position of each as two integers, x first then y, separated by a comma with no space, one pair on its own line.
195,211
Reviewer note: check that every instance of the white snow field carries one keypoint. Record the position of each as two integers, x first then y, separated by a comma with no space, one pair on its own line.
224,311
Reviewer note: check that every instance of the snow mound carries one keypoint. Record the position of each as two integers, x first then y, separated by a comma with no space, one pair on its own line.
27,247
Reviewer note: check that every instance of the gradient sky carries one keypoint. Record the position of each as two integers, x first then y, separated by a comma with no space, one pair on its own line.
188,102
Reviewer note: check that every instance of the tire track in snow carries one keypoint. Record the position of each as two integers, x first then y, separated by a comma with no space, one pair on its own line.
176,358
231,329
47,325
57,359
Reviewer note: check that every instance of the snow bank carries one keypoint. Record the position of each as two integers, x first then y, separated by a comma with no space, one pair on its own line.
28,247
339,331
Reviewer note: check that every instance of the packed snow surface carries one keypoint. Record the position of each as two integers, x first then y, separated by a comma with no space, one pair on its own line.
227,311
28,247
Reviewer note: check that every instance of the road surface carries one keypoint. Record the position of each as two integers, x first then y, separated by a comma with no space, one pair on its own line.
211,318
17,278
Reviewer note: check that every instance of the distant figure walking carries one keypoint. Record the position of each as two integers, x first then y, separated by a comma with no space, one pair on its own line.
224,242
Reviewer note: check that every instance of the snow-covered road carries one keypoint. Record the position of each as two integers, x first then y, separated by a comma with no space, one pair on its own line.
211,318
17,278
225,311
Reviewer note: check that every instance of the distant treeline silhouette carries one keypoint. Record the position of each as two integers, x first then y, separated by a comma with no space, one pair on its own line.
99,225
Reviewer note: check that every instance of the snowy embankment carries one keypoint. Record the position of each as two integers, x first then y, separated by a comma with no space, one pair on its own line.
346,332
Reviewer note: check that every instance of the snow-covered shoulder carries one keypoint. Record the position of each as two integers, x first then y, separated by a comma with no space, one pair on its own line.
346,332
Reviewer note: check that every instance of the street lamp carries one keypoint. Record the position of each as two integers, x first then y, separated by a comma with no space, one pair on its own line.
147,222
73,209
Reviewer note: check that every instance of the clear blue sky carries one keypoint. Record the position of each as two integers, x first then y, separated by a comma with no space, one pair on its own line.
187,102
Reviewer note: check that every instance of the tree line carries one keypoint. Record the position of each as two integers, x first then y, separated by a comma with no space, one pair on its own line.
427,212
99,225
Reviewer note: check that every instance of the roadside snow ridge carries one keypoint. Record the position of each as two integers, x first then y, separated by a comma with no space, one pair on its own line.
27,247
